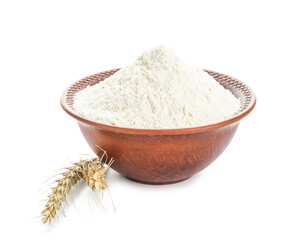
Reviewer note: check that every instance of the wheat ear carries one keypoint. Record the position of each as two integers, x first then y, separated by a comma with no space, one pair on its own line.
93,171
58,195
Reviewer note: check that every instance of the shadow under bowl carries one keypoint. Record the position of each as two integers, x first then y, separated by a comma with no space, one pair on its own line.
160,156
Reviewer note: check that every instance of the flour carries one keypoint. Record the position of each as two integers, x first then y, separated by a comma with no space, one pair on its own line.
157,91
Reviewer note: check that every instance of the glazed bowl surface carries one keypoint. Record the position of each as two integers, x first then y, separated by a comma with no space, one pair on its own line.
160,156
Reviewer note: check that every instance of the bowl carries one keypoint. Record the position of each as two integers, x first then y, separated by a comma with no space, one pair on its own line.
160,156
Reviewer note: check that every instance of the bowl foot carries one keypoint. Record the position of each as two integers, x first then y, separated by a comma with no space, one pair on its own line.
157,183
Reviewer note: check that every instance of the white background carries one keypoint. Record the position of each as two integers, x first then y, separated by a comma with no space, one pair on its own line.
250,192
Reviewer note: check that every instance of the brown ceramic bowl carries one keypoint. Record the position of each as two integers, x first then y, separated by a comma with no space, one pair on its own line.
163,156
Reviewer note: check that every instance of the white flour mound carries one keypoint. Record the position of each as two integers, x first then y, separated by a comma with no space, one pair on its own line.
157,91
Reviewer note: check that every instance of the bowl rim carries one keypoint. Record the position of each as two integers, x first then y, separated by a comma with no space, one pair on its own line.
141,131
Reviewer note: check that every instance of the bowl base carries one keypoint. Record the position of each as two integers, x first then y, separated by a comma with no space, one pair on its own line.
157,183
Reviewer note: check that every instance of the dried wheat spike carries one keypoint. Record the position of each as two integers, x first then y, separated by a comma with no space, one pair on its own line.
92,171
95,173
58,195
96,176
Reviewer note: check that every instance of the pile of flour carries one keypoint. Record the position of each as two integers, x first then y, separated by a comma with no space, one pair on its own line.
157,91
